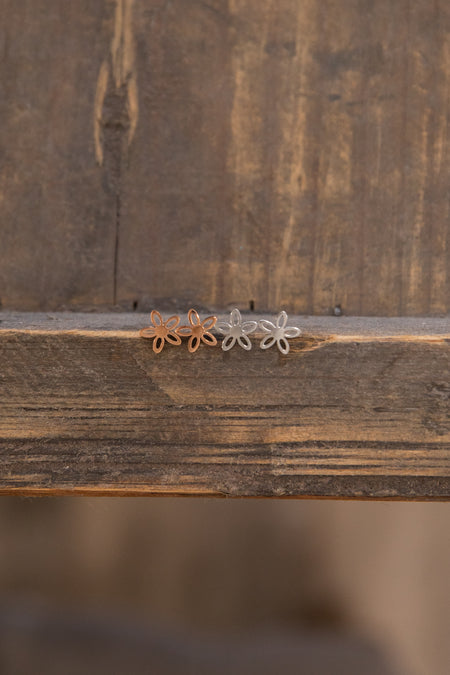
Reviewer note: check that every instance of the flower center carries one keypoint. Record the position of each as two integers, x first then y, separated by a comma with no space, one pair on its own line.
161,331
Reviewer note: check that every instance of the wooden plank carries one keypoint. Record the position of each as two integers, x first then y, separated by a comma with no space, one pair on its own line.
57,204
292,154
358,408
283,153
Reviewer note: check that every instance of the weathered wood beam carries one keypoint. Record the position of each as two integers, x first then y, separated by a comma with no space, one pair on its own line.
289,153
360,407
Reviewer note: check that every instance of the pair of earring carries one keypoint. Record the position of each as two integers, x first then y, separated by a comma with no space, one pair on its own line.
170,331
276,333
233,331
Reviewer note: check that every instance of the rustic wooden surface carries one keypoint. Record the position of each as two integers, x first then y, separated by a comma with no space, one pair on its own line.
56,208
358,408
277,152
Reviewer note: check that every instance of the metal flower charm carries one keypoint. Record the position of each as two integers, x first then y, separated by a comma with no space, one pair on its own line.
278,333
161,331
198,331
236,330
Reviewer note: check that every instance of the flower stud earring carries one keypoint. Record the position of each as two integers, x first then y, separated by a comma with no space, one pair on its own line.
278,333
161,331
198,331
236,330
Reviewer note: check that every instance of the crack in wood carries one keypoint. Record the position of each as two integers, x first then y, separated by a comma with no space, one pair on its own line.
116,113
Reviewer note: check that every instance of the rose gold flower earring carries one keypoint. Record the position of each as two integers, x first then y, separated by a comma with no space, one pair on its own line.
198,331
162,331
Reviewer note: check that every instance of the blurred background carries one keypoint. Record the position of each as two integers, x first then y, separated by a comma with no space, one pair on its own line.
165,585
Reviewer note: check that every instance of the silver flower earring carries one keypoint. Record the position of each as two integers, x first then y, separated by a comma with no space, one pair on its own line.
236,330
278,333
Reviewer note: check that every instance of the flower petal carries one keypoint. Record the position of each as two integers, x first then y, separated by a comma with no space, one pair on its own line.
228,342
249,326
267,342
173,338
184,331
292,332
172,322
156,318
209,339
193,317
158,344
147,332
282,319
235,317
267,326
283,345
193,343
209,322
244,342
223,327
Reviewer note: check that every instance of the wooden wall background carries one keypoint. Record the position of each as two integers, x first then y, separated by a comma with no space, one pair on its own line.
282,152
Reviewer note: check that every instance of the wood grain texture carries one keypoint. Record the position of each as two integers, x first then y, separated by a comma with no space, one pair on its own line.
57,207
287,153
295,154
359,408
